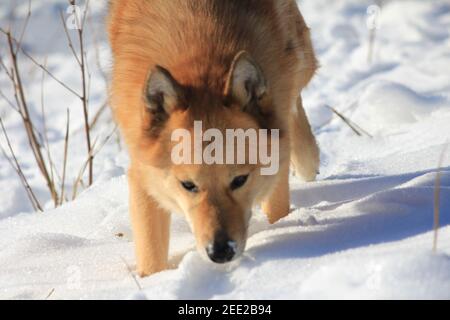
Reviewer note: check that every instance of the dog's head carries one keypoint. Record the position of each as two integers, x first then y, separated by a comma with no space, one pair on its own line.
186,150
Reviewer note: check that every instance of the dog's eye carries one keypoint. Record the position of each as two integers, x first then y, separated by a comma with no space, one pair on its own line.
238,182
189,186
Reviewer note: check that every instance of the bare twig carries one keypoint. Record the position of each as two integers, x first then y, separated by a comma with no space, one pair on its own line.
50,74
355,128
94,152
130,271
16,166
22,34
330,120
97,50
66,147
18,110
24,112
39,144
14,107
86,9
46,142
84,95
85,98
8,101
104,106
98,114
50,294
69,39
437,196
39,65
5,68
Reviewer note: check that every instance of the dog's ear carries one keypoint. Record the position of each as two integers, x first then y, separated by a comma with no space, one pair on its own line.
162,92
246,81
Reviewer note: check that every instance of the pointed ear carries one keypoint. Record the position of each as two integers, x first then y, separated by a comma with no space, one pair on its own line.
245,80
162,91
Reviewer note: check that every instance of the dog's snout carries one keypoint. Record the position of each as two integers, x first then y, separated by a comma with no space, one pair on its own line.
222,249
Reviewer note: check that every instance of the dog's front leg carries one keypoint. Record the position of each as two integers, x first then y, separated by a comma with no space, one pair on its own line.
151,227
277,205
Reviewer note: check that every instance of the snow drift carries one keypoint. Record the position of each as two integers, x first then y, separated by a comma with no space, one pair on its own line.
363,230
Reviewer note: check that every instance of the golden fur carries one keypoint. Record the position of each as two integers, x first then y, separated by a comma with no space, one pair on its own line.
196,41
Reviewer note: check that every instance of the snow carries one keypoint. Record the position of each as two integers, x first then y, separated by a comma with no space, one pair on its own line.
364,230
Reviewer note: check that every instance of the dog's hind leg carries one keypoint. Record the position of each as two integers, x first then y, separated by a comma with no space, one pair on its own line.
305,155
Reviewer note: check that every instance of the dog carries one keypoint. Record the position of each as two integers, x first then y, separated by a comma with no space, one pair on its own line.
231,64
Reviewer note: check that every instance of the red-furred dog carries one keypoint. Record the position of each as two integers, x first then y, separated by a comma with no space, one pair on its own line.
231,64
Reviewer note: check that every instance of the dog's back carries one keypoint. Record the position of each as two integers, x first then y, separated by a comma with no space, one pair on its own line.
197,39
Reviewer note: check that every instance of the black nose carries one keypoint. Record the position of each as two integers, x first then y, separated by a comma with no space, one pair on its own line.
222,250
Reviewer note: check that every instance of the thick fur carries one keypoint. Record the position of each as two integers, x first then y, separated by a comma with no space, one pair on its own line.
196,41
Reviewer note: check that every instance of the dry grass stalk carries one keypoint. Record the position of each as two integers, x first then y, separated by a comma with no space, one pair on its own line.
24,28
9,102
20,96
353,126
39,65
39,143
98,114
50,294
16,166
46,142
84,95
130,271
94,152
66,148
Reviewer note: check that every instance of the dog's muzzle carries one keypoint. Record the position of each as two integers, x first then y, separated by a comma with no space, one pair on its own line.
222,249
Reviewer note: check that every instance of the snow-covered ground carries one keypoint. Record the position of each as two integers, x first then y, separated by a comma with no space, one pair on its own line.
363,230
